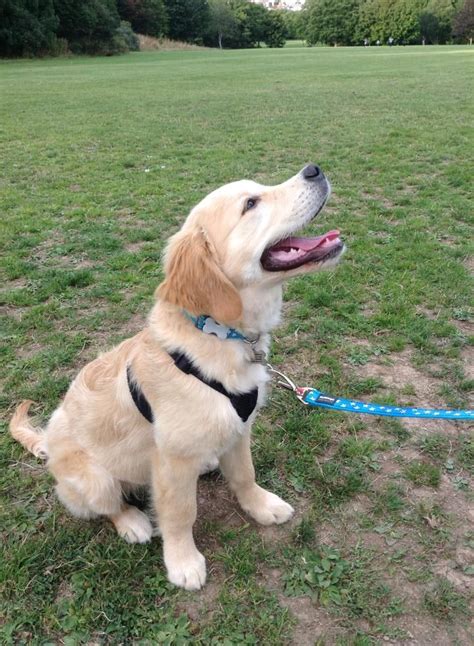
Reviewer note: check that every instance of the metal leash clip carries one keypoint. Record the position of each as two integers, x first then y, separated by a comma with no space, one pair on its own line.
258,356
285,382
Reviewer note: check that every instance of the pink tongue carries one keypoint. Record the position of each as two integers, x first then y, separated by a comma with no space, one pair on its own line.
305,244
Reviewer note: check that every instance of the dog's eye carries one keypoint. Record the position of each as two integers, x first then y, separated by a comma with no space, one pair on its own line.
249,204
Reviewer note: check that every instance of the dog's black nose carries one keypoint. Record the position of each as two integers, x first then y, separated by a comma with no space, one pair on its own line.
312,172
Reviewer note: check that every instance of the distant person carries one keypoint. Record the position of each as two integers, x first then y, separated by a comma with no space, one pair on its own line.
378,42
423,41
390,41
366,42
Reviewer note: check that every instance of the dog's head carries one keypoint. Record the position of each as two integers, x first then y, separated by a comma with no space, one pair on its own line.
242,234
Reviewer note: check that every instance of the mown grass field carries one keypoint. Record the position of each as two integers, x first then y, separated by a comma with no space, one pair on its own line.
101,159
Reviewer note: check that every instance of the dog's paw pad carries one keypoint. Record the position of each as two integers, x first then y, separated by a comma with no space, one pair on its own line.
188,573
133,525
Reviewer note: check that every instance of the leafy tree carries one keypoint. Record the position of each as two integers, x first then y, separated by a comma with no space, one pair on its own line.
331,21
188,19
294,28
90,26
405,21
27,27
252,24
239,23
368,23
275,30
256,23
223,24
146,16
436,20
463,23
382,19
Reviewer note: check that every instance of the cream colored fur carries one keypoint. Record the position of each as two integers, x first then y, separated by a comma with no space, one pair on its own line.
97,442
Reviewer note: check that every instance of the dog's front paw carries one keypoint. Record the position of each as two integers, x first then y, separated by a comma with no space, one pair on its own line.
188,572
266,508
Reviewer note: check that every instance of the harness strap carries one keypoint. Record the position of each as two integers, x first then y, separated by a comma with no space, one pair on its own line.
141,402
243,403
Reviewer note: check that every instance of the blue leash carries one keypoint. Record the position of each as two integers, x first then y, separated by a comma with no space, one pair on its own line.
316,398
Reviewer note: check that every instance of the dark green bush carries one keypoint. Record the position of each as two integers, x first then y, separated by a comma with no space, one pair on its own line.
90,26
125,32
147,17
27,28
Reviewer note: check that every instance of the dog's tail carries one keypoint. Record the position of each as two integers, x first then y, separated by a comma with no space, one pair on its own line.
24,432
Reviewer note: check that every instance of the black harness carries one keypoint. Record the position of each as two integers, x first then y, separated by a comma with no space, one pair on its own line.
141,402
244,404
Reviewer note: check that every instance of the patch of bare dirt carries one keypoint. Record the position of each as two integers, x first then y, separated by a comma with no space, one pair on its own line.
44,254
368,310
467,355
203,603
134,247
64,591
129,216
449,570
216,503
432,315
313,622
13,312
407,189
377,196
43,250
421,628
17,283
396,372
465,327
74,262
469,264
29,350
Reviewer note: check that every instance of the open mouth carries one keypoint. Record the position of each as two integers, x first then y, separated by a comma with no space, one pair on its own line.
292,252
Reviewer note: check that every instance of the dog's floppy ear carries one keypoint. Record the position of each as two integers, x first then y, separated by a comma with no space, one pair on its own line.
194,280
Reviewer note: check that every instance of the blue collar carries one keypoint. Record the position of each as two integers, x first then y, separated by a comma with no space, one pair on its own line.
208,325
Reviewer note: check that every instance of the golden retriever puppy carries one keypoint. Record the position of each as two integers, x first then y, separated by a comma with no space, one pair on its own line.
184,391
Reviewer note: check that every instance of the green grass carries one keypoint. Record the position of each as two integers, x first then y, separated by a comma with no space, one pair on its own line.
101,161
443,601
423,474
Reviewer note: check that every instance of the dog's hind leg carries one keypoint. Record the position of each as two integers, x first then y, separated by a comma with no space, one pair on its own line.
88,490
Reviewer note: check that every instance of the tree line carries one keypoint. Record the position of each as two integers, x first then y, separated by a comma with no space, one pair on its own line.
52,27
403,22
